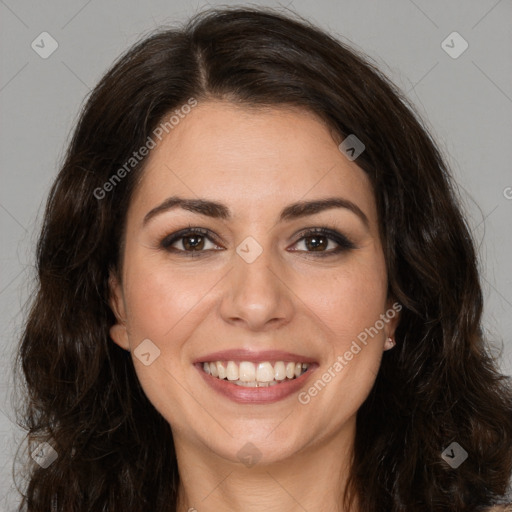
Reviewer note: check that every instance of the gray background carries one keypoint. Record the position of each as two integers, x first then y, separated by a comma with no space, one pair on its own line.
466,102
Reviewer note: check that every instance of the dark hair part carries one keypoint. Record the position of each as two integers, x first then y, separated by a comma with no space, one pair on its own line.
439,385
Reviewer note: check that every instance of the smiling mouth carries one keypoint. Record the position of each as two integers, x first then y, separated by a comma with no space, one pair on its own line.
255,375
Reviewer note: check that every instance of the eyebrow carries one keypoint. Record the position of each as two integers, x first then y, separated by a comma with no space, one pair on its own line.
221,211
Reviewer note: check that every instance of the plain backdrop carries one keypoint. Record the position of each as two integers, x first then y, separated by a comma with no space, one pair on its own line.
466,103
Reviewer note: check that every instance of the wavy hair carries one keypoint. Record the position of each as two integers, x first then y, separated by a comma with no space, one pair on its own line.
439,385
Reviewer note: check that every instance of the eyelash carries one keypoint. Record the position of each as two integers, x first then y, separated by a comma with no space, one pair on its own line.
344,244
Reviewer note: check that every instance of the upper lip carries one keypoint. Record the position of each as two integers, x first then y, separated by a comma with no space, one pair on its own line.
253,356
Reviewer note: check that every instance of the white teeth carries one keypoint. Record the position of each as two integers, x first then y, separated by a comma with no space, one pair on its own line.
280,371
247,371
249,374
232,371
290,370
255,384
265,372
221,370
251,384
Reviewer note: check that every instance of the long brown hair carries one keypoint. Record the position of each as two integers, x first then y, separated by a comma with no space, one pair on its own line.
439,385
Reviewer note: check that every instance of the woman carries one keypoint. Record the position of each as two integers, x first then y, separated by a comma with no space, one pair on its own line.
257,292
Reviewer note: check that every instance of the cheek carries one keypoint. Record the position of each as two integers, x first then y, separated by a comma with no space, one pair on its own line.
161,301
349,307
163,305
349,300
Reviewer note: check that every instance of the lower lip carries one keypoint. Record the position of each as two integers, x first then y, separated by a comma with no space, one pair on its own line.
264,395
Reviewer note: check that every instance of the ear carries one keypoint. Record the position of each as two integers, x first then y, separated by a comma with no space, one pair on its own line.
393,314
118,331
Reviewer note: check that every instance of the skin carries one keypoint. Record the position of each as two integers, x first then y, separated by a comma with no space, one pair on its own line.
289,298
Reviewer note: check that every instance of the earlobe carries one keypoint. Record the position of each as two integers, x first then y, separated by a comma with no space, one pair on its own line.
393,313
119,335
118,331
389,343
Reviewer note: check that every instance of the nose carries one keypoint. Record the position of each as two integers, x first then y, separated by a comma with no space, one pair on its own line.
256,295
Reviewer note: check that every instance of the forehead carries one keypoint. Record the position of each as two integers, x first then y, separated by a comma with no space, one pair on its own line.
256,160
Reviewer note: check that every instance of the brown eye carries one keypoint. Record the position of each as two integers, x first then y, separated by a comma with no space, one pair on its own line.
189,241
324,241
316,242
193,242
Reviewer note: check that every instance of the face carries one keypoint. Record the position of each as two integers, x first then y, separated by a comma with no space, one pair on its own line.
237,269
